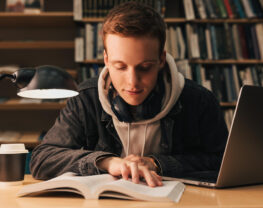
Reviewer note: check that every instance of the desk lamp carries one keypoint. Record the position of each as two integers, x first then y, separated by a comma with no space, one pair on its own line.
43,82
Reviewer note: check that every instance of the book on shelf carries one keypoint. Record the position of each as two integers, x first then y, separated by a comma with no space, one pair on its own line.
224,81
204,9
189,9
80,45
100,8
88,43
34,6
26,6
88,71
78,10
105,185
199,4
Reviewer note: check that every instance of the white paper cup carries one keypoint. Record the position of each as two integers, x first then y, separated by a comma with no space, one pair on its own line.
12,164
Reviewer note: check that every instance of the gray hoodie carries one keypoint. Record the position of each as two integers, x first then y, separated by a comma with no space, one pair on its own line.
143,137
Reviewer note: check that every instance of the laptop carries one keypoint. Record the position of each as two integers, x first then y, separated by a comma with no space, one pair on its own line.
242,162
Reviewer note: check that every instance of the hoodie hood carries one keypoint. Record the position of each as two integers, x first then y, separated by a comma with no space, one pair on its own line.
143,137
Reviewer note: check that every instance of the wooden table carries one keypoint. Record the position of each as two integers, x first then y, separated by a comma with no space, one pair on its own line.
249,196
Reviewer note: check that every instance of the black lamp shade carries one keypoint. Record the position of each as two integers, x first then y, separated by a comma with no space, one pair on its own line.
45,82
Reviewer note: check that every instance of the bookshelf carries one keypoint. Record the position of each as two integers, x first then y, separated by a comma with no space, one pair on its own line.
28,40
177,15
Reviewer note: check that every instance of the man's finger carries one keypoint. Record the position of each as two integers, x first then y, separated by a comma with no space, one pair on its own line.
125,171
158,178
134,172
149,178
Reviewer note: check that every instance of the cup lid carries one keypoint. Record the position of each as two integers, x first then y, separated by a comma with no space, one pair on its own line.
13,148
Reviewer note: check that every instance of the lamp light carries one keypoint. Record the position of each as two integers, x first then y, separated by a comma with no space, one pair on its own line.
43,82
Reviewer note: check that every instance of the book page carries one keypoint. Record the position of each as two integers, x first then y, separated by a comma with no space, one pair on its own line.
170,191
84,185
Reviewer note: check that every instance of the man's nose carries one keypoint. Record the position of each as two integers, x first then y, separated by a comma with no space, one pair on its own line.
133,77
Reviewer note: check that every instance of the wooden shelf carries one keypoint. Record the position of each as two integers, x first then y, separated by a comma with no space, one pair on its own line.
184,20
197,61
14,104
73,73
175,20
91,19
238,21
36,44
226,61
44,19
30,139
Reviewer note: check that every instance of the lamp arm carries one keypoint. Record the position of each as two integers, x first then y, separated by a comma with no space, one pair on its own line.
2,76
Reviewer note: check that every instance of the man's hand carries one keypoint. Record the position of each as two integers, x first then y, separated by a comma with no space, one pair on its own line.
132,166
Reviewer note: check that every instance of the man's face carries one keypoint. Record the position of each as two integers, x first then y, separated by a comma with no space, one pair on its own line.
133,65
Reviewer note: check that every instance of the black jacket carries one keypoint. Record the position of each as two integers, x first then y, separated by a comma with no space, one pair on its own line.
193,135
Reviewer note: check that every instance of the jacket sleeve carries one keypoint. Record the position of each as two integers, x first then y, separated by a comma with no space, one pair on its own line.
66,147
203,152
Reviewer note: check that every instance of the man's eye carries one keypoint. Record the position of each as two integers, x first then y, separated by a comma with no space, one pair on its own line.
120,67
144,68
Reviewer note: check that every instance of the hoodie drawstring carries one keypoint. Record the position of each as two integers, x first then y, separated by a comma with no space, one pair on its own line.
144,141
128,143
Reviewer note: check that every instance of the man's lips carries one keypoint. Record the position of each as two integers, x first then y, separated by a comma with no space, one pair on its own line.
134,92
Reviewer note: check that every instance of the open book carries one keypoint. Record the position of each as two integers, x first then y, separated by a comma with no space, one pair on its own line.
105,185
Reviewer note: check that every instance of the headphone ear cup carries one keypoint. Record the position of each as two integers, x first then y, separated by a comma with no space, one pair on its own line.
121,109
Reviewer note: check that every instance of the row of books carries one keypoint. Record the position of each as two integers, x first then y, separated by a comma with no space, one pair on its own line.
87,71
100,8
204,9
204,41
225,41
224,81
88,43
26,6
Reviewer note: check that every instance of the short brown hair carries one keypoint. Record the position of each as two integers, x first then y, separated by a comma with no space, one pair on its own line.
133,19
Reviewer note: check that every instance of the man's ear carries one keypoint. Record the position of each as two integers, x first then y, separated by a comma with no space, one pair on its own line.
162,59
106,61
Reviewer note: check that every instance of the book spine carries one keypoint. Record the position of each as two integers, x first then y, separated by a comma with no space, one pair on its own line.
255,42
222,8
201,9
228,9
259,32
174,43
236,79
239,8
243,41
77,10
100,47
202,42
237,44
189,9
79,45
210,9
181,41
208,42
248,9
229,43
195,42
89,41
213,41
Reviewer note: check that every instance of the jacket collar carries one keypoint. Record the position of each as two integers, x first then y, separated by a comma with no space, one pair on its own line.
174,111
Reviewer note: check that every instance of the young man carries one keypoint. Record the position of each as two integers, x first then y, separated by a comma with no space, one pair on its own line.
140,118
